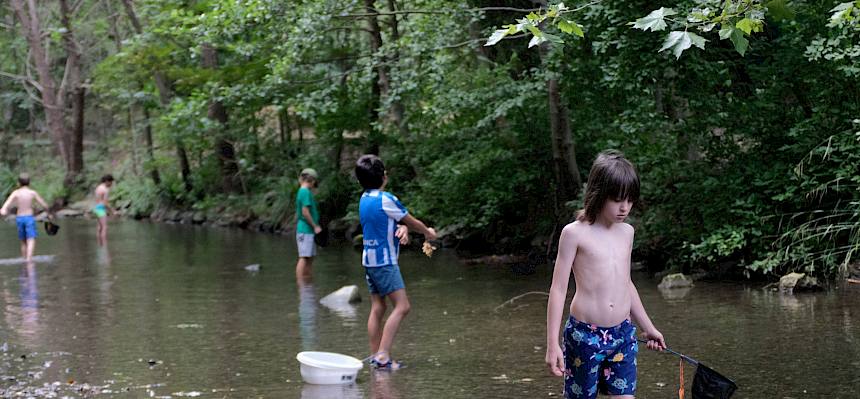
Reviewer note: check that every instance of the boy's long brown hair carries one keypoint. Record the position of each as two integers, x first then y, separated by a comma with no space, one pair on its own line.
612,176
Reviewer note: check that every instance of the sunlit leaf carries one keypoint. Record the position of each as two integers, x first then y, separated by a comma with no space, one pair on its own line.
497,36
536,40
571,28
678,41
654,21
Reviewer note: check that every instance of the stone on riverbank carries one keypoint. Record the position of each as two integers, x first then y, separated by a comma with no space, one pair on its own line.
798,282
69,213
358,241
198,217
186,217
676,280
341,228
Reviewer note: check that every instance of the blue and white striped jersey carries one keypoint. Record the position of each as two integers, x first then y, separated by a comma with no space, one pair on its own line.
379,211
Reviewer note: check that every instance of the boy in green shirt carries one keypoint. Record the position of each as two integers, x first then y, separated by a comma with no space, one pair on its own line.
307,213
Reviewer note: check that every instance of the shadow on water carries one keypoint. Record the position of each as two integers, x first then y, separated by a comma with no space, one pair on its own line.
170,310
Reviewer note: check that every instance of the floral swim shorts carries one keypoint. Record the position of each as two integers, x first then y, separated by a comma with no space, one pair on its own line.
599,358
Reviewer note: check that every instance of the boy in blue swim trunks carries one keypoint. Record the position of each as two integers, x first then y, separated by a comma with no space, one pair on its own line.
599,339
23,198
379,213
101,209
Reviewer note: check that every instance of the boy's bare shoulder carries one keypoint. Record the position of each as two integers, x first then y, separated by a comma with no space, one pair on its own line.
628,228
574,228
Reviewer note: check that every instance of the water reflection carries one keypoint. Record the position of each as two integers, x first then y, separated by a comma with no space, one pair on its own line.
29,295
338,303
340,391
307,311
381,385
674,294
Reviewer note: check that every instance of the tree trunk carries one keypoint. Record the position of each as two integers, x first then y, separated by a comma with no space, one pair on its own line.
224,149
398,112
379,77
76,139
133,130
150,155
566,171
71,86
567,178
165,93
54,104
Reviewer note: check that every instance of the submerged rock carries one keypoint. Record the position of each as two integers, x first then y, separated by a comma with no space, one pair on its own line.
676,280
345,295
253,268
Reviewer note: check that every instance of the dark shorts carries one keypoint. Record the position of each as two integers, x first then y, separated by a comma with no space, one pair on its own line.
26,227
599,358
383,280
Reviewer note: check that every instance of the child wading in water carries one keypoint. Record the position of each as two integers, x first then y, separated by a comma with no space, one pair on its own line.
23,199
599,341
307,222
379,213
102,207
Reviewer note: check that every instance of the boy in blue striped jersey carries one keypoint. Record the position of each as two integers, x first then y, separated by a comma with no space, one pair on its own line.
379,213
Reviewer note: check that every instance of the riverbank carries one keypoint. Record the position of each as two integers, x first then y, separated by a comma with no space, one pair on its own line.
347,230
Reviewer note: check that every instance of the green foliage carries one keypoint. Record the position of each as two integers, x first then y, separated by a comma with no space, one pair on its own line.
8,181
735,18
841,45
748,160
136,196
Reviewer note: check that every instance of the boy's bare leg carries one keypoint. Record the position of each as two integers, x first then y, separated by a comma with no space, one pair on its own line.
102,232
374,321
24,249
401,309
31,246
303,267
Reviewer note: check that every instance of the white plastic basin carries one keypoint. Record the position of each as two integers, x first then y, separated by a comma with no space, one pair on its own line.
327,368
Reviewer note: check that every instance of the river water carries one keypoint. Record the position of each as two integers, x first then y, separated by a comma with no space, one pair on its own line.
171,311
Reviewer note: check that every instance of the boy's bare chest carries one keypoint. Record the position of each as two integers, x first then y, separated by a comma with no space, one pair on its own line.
605,250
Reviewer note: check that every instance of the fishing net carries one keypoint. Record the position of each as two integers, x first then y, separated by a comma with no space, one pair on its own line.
709,384
321,239
51,228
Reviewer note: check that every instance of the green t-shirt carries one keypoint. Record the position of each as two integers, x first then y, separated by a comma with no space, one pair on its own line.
304,197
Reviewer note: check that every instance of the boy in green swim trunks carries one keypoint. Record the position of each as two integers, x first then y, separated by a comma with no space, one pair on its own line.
23,199
101,209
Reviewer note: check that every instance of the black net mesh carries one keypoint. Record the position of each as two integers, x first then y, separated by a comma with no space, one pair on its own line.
709,384
51,228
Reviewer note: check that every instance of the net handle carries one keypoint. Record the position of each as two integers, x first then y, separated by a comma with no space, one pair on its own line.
686,358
